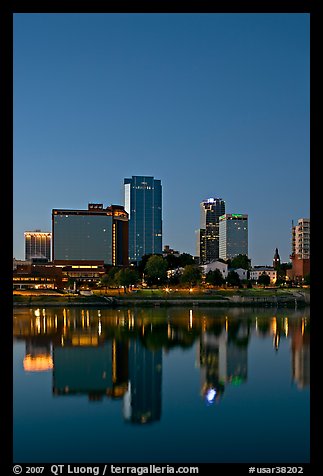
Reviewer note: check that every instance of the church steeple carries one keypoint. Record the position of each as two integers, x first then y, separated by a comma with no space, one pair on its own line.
276,260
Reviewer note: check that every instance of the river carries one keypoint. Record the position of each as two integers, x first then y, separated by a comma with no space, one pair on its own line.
147,385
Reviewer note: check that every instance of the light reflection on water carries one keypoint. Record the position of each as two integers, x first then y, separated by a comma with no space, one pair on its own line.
164,369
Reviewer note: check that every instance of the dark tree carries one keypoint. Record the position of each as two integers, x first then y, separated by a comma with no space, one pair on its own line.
281,269
127,277
240,261
142,264
185,259
264,279
233,279
172,261
191,275
214,277
156,270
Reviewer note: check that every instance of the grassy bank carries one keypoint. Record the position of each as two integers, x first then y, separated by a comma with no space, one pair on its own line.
255,296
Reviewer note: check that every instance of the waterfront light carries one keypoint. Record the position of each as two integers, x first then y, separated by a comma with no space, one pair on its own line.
210,395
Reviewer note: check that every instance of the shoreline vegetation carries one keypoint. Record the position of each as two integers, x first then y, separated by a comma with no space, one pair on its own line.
259,297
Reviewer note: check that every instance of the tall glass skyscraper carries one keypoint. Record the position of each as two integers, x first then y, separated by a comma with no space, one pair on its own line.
210,211
143,202
233,232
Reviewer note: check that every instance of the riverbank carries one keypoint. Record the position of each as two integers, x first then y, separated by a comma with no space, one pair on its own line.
270,298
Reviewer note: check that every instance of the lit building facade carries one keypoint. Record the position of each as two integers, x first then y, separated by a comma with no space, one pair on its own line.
257,271
300,256
301,239
233,235
143,203
208,234
37,244
95,234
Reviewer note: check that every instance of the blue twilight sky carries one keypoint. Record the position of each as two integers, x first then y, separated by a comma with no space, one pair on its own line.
214,105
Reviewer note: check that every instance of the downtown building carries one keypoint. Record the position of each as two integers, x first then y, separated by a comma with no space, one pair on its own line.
208,234
143,203
233,235
98,235
37,245
300,256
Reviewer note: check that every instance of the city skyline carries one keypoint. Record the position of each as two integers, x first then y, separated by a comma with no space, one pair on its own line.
212,105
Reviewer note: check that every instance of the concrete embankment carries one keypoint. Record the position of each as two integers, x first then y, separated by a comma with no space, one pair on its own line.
291,300
230,301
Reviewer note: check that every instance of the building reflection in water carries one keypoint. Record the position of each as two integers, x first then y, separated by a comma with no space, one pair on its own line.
142,403
83,366
223,359
301,357
118,354
38,356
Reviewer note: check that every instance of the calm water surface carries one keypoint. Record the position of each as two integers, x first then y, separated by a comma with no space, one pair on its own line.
161,385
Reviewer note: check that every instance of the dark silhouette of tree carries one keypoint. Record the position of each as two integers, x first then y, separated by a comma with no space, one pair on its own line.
264,279
185,259
191,275
142,264
214,277
156,270
233,279
127,277
173,261
240,261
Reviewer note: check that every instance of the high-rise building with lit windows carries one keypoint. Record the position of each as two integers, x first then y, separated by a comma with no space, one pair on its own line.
301,239
208,234
143,203
300,256
233,235
37,245
88,235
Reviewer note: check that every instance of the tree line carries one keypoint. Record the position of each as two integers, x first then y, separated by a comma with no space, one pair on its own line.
156,270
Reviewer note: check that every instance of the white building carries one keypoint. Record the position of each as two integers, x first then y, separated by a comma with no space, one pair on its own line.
242,273
222,267
256,271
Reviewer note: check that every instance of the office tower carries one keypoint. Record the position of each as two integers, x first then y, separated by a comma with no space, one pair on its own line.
301,239
94,234
142,402
208,234
233,231
143,203
37,245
